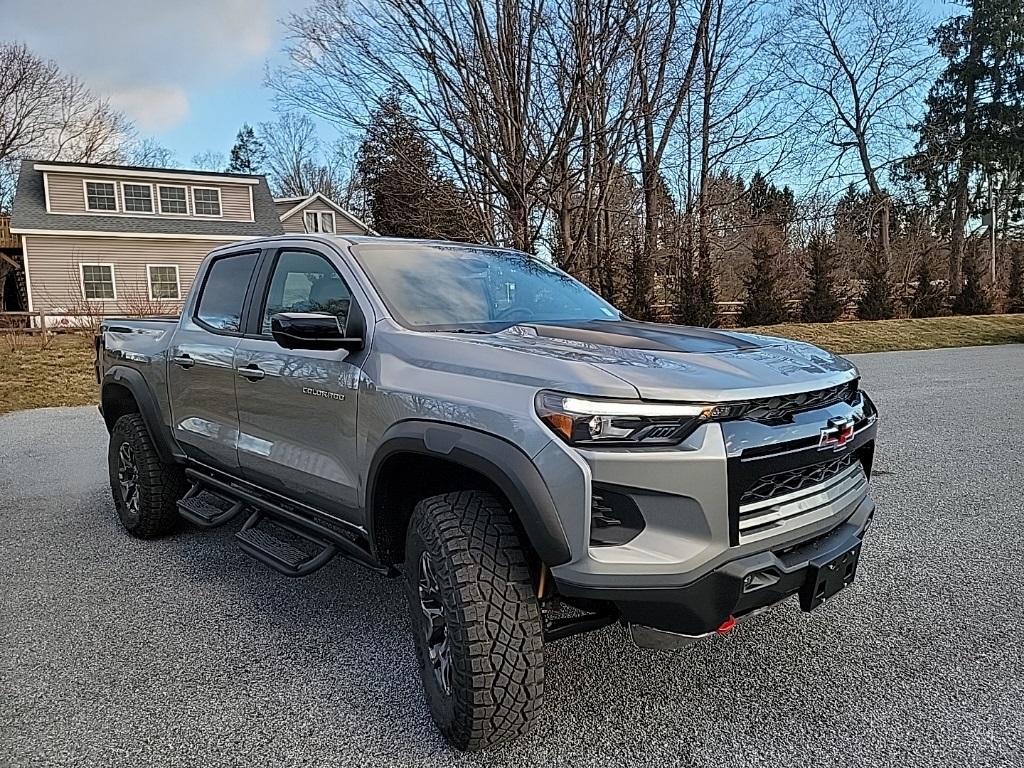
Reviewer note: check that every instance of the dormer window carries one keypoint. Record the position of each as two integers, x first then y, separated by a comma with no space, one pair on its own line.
100,196
206,201
319,221
138,198
173,200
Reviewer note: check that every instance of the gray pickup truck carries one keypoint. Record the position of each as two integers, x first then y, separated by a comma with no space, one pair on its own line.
533,463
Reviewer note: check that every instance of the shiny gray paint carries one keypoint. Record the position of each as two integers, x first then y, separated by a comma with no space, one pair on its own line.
319,450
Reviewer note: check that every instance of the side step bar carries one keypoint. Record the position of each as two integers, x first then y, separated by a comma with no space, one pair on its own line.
206,509
283,557
278,554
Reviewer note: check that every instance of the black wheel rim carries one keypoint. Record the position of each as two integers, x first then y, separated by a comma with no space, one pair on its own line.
128,481
435,629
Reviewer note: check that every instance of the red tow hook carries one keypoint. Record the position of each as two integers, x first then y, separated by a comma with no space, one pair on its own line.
727,626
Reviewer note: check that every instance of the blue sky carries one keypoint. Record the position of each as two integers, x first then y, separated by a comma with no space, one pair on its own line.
188,72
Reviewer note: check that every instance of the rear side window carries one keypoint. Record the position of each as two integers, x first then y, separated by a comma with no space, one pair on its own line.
220,303
306,282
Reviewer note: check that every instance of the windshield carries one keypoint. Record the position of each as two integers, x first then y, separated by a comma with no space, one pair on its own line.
442,287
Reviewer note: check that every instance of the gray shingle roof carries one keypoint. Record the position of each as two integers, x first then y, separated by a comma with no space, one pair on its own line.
29,211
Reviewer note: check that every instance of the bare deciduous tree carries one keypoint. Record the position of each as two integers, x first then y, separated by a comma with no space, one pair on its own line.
860,67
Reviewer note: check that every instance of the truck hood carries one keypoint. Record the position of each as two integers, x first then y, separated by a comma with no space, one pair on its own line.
673,362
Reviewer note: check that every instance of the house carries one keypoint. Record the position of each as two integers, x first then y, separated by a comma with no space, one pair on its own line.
317,213
106,239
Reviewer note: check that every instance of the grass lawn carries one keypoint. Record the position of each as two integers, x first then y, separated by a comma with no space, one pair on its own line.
894,335
36,376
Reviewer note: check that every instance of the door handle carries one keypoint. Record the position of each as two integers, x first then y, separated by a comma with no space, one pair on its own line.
251,372
184,361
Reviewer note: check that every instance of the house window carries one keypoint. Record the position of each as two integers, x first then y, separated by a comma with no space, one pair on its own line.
98,281
100,196
138,198
319,221
206,201
163,281
173,200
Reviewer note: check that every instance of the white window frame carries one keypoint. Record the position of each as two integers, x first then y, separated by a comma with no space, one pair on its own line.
318,216
85,193
81,277
220,204
152,199
159,202
149,282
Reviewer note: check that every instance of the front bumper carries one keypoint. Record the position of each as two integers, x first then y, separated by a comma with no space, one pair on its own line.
737,588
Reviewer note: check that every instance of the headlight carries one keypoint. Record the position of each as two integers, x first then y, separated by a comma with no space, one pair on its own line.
582,421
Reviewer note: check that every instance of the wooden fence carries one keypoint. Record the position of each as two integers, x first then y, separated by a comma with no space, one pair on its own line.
7,240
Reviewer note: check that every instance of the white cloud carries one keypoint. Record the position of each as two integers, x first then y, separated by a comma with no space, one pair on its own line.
153,108
147,56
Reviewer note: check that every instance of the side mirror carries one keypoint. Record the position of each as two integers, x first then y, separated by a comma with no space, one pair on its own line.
311,330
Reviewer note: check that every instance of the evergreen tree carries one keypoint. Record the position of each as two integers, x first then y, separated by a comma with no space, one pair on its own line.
764,303
875,302
698,292
407,193
248,155
1015,290
821,304
928,299
972,299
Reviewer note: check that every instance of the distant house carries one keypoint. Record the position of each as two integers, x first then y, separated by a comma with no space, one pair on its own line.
317,213
103,239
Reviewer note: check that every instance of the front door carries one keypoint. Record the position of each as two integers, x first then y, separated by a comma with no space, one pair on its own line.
297,408
201,363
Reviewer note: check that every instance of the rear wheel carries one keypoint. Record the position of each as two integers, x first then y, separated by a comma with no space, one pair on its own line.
475,618
145,489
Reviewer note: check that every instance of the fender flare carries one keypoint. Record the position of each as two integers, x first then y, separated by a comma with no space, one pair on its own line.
134,382
497,459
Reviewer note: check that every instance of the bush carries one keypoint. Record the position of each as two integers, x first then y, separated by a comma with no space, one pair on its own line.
928,299
764,303
972,299
821,305
695,304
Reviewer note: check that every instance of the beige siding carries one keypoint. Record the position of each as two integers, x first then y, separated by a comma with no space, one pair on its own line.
55,270
67,195
342,225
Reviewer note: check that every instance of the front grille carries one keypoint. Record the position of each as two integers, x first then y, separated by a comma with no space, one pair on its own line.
782,407
790,481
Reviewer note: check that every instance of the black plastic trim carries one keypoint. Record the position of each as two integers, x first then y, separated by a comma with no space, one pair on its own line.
495,458
160,433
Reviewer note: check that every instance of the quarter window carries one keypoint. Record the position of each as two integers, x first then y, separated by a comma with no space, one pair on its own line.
220,304
173,200
98,281
163,281
206,201
306,282
100,196
138,198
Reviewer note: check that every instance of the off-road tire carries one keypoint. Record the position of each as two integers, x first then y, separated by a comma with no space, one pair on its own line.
491,614
159,485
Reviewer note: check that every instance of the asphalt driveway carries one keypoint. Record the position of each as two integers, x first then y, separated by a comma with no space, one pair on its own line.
184,652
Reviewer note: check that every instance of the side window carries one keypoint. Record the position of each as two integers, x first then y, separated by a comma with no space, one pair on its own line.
220,303
306,282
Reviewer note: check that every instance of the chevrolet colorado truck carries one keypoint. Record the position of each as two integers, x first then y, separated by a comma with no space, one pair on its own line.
530,461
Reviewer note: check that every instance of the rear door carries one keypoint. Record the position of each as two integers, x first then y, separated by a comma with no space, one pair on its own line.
297,408
200,368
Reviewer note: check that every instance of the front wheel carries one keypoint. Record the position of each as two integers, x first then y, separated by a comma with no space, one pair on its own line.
475,618
145,490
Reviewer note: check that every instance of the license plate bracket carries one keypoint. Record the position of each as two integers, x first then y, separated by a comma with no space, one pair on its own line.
828,578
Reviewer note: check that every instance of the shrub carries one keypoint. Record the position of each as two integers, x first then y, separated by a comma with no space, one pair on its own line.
928,299
875,302
972,299
1015,290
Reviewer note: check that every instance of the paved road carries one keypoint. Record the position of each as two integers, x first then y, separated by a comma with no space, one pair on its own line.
184,652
